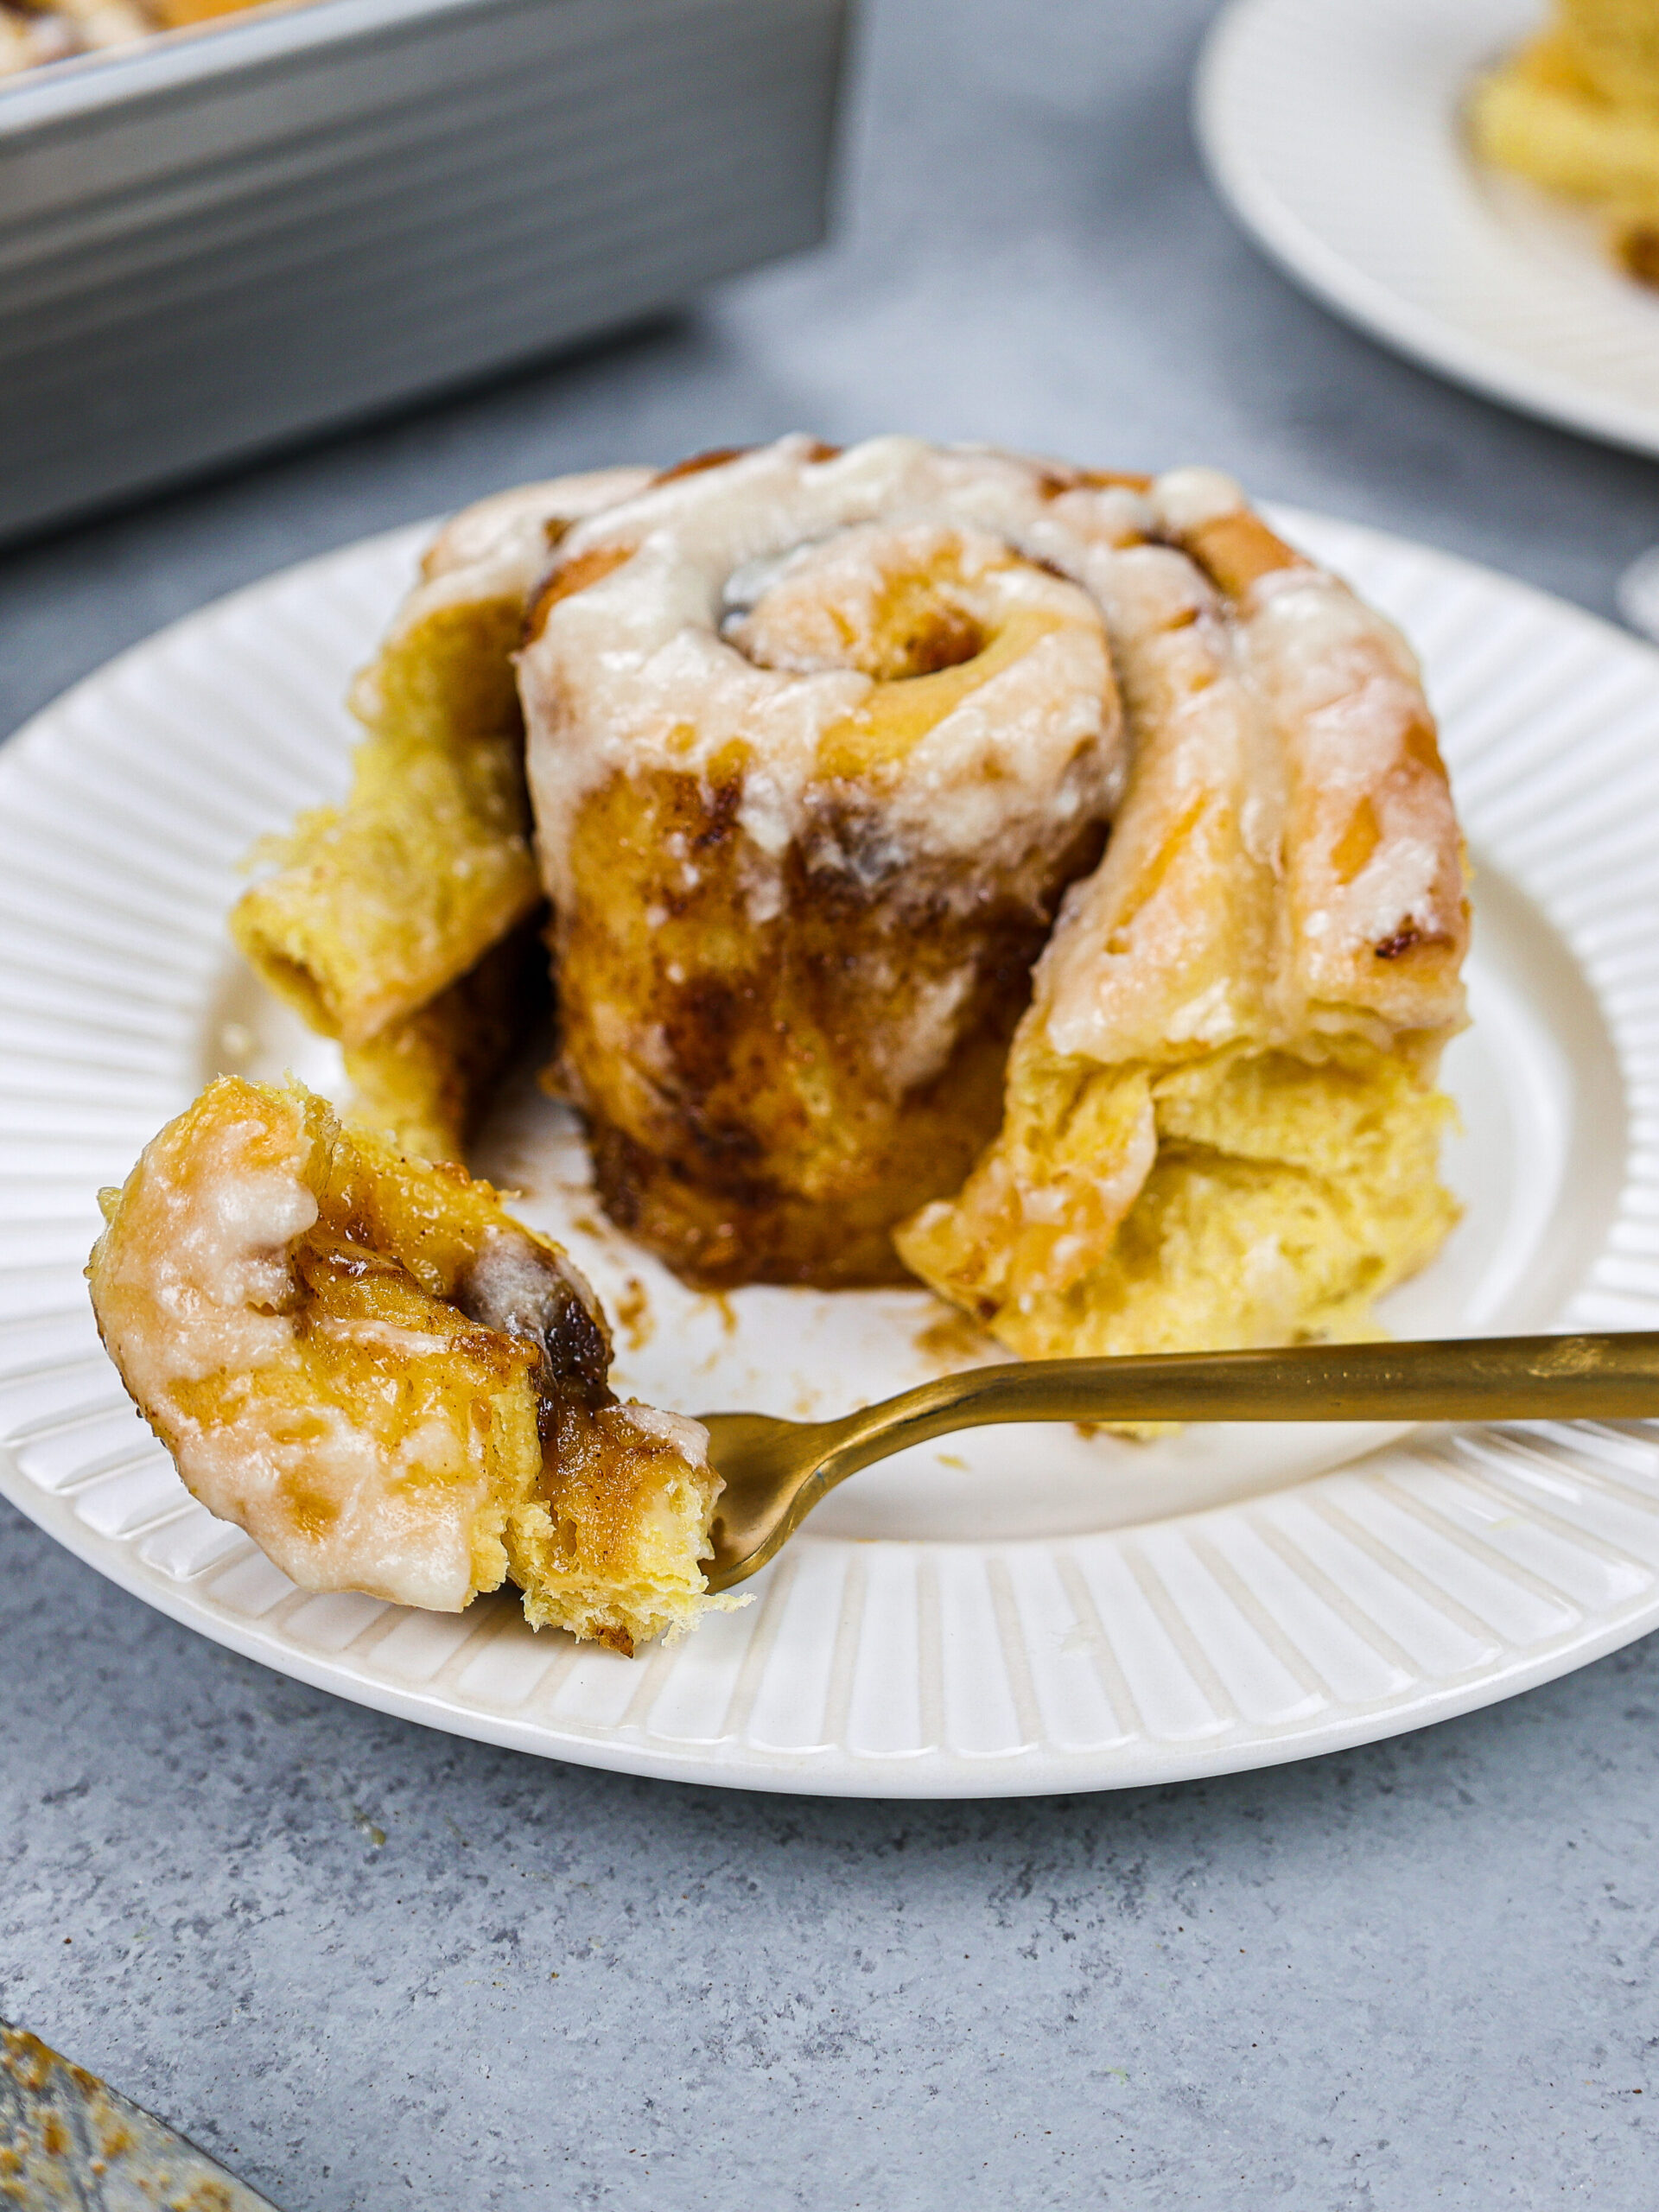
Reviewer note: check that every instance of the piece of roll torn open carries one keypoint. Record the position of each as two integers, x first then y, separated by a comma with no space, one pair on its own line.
1221,1125
405,921
394,1387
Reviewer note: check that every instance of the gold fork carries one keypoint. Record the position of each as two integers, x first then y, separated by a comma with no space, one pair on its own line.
777,1471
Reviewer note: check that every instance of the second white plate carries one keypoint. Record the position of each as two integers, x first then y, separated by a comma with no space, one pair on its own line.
1021,1611
1333,128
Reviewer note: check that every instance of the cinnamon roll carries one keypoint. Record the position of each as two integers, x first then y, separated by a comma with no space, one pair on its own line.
1221,1125
817,740
380,920
388,1382
1576,110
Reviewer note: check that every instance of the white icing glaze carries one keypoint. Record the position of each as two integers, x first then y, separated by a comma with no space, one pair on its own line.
632,670
687,1437
385,1336
522,1289
1184,500
1345,697
498,548
1126,966
1262,734
218,1271
514,524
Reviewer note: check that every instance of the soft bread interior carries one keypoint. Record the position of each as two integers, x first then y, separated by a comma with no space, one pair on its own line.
376,907
1284,1197
610,1546
393,922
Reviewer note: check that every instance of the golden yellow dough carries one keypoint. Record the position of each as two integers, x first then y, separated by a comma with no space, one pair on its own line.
1220,1124
376,906
1284,1197
388,1383
1616,43
380,920
424,1082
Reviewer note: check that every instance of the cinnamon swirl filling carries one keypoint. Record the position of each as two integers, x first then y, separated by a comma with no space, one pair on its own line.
816,744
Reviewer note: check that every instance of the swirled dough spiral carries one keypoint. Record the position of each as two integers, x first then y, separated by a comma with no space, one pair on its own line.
817,740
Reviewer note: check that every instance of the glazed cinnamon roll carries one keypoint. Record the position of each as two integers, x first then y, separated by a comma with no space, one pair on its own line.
1221,1124
382,921
817,740
388,1382
1576,110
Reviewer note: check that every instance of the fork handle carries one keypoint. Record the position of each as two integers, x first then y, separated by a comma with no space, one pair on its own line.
1602,1377
1613,1377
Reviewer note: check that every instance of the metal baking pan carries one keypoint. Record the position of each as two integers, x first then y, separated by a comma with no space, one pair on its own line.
222,239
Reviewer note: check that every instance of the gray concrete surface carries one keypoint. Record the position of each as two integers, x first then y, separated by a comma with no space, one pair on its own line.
371,1967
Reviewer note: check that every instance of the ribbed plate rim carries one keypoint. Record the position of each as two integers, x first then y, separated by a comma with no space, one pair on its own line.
1234,137
52,740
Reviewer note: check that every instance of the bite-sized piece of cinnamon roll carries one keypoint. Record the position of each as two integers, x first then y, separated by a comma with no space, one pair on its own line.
388,1382
375,908
817,740
1221,1125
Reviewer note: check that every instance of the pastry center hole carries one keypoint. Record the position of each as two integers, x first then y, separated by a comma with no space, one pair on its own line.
891,605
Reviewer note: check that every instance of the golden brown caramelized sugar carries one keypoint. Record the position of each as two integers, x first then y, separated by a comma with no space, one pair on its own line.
393,1386
768,1131
804,849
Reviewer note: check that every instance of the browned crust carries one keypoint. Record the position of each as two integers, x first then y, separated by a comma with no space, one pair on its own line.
1635,245
1236,551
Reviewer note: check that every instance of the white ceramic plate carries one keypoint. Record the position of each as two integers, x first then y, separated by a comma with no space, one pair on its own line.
1334,129
1021,1610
